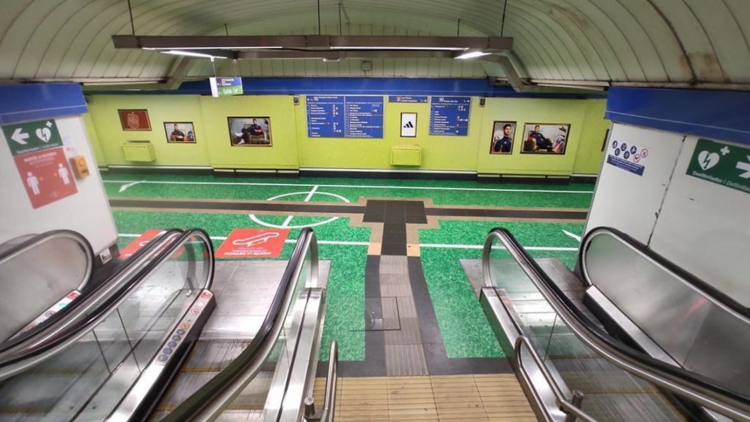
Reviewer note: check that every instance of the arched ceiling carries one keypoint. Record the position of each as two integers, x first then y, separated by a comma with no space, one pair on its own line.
638,41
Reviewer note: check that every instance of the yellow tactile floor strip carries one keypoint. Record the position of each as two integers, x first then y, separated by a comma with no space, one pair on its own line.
495,397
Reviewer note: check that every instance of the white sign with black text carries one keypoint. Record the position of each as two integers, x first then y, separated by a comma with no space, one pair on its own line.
408,125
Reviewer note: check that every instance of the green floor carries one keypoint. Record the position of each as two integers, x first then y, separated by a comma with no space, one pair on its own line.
464,328
442,192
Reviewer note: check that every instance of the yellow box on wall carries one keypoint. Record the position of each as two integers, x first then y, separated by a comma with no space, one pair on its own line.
139,152
406,155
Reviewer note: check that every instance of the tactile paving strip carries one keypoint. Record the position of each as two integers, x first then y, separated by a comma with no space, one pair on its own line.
495,397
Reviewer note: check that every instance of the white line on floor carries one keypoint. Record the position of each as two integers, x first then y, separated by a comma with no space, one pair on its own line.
307,199
428,245
574,236
165,182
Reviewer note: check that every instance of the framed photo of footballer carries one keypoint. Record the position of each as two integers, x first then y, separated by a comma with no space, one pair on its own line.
180,132
545,138
503,133
250,131
134,119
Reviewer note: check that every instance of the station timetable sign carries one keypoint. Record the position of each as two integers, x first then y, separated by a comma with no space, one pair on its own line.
344,116
449,116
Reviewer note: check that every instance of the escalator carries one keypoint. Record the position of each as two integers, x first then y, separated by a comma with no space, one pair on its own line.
586,350
133,350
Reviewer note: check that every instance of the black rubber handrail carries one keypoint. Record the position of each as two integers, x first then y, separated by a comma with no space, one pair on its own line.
94,317
688,277
645,362
202,398
63,313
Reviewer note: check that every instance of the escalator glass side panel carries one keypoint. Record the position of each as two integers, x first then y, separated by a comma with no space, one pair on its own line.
610,394
29,289
93,374
254,384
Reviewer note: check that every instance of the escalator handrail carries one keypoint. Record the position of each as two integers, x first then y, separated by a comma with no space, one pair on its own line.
211,399
66,313
709,292
562,402
696,388
87,319
47,236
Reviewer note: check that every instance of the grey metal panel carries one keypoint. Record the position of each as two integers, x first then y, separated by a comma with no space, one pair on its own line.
29,289
701,334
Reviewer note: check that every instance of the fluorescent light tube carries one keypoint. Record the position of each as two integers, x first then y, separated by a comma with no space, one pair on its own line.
472,55
191,54
344,47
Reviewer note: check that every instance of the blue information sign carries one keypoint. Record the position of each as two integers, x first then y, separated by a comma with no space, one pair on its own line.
338,116
450,116
407,99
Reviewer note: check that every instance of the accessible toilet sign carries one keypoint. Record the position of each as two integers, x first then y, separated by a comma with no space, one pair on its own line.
723,164
253,243
38,152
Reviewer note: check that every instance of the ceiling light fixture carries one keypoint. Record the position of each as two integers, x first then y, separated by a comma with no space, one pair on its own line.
190,54
472,55
342,47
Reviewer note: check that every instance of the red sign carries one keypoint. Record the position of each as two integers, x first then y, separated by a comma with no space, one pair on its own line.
134,119
46,175
253,243
138,243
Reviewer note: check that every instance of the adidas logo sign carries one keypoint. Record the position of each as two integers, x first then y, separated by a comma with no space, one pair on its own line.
408,125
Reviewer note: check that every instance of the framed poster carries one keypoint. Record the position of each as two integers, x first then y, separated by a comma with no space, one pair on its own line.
502,137
134,119
180,132
250,131
408,125
545,138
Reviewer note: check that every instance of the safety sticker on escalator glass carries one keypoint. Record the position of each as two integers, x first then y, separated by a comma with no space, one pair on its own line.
253,243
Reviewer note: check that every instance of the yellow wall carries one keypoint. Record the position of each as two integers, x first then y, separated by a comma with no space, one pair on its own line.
161,108
590,154
438,152
93,136
283,152
292,148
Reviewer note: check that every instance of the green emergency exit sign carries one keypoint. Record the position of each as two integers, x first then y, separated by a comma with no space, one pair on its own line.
723,164
32,136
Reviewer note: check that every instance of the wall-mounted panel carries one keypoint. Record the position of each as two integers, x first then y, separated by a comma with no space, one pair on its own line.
703,226
624,199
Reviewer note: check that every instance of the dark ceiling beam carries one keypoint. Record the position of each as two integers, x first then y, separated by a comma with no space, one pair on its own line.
312,42
340,55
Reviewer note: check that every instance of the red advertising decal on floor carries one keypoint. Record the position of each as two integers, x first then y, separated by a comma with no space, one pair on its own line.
253,243
46,176
138,243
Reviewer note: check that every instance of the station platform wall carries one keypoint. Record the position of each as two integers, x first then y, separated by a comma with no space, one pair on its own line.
293,149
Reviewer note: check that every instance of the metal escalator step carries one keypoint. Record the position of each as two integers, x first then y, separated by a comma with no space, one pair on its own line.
227,416
213,355
630,408
253,397
598,376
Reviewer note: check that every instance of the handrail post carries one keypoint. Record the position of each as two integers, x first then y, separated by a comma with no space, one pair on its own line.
576,401
329,399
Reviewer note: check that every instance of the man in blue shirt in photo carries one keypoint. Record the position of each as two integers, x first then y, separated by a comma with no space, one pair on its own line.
504,144
541,141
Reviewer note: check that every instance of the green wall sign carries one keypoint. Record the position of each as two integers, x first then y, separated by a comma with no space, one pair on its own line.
32,136
727,165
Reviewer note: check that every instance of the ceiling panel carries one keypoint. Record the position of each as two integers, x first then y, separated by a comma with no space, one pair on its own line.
651,41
